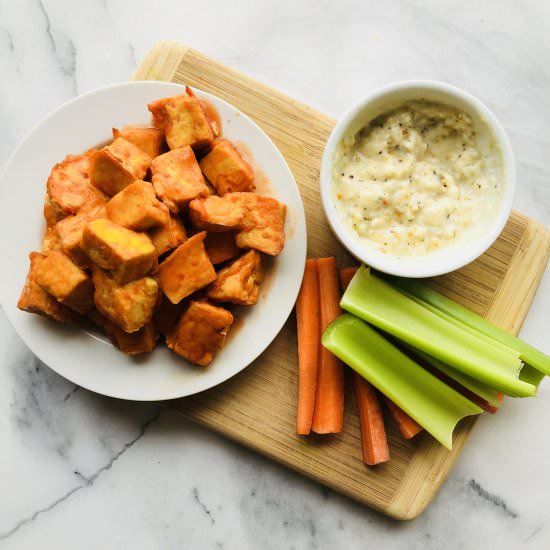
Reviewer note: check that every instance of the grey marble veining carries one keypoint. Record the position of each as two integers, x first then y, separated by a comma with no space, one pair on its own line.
78,470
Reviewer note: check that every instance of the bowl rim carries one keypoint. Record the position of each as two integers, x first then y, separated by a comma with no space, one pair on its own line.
427,268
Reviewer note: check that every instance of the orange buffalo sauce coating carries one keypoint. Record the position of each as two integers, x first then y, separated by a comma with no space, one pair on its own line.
135,227
186,270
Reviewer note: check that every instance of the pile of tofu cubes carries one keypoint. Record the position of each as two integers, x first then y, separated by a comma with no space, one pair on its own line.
156,233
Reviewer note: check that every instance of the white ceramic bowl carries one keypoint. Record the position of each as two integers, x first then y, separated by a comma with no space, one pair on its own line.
85,356
463,250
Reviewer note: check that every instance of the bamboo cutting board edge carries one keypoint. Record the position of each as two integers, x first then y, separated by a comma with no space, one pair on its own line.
430,463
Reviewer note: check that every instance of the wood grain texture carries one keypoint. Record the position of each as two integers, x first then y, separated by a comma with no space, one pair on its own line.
258,407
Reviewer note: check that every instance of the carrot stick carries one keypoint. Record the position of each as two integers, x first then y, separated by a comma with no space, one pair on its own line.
479,401
373,433
346,275
467,393
407,426
307,318
328,414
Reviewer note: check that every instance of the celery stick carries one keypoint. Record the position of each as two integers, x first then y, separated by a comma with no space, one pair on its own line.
528,353
512,352
434,405
528,373
380,304
531,375
479,388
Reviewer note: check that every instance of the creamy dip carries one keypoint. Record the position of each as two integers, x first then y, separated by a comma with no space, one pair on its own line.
417,178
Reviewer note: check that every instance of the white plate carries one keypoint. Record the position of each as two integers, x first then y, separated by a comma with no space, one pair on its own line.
83,357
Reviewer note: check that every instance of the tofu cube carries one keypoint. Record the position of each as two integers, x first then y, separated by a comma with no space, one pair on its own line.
131,305
35,299
183,121
221,246
49,213
69,231
142,341
149,140
239,282
201,332
169,234
118,165
212,116
69,189
51,240
166,317
186,270
177,178
136,207
59,276
263,226
127,254
226,170
216,213
99,319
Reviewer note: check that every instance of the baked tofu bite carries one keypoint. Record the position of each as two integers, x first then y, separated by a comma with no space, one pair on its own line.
49,213
126,254
221,246
183,121
35,299
169,234
177,178
212,116
186,270
136,207
201,332
167,315
142,341
239,282
130,306
216,213
118,165
226,170
149,140
263,226
70,229
59,276
69,188
51,240
98,318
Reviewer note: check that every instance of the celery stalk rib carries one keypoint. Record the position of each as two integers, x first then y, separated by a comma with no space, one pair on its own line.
387,308
479,388
528,353
433,404
531,375
506,349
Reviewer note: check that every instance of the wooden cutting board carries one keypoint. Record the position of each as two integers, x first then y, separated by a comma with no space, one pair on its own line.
258,407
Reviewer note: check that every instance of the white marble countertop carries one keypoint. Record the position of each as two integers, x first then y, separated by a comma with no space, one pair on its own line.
82,471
